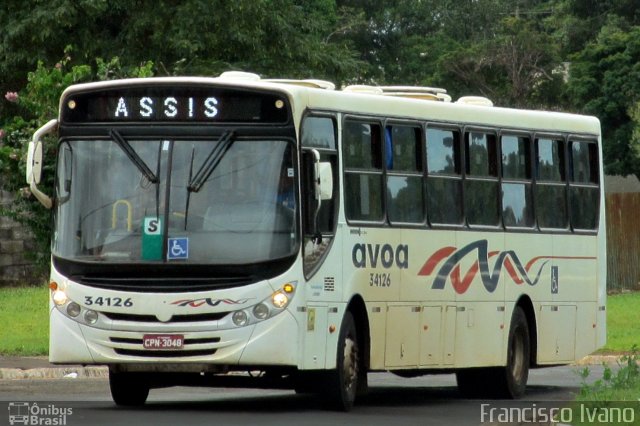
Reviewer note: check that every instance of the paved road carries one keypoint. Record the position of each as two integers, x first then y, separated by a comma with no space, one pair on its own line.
392,401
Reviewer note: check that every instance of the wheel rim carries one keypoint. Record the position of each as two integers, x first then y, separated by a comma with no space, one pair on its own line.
350,364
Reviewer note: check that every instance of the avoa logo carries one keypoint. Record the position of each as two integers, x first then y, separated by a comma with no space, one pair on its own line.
372,255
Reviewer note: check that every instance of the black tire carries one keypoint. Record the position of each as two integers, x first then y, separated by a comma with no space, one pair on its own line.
128,389
341,384
513,380
507,382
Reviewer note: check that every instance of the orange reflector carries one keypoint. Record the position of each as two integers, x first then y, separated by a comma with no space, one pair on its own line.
332,328
53,285
288,288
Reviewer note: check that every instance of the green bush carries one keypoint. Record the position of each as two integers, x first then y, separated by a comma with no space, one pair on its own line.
616,383
33,107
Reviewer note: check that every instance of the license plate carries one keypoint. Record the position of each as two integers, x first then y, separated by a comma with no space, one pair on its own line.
163,341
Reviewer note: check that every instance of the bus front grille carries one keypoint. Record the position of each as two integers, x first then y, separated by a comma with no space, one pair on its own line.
164,353
215,316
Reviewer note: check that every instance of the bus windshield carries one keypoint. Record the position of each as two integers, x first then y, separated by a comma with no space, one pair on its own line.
217,201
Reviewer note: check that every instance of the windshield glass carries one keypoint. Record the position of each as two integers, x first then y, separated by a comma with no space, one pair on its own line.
110,210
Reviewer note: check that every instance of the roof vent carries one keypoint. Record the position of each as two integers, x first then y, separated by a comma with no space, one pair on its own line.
240,75
475,100
361,88
415,92
413,89
313,83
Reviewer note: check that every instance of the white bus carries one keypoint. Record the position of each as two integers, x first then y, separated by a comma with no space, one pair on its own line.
205,227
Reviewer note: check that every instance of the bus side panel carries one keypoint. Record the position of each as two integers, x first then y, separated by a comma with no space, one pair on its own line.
314,337
324,294
576,268
567,316
373,261
480,291
533,254
432,293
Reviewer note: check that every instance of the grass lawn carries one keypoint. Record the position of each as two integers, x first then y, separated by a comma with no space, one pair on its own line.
623,322
25,321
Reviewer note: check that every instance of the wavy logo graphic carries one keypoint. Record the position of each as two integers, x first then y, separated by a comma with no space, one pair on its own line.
520,273
195,303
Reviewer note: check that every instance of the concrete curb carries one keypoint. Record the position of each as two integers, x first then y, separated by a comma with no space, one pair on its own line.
54,373
101,372
598,360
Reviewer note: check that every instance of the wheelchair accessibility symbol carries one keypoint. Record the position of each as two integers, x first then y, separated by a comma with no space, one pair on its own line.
178,248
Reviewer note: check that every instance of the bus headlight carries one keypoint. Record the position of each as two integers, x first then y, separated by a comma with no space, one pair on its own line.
279,300
240,318
73,309
59,297
267,308
261,311
91,317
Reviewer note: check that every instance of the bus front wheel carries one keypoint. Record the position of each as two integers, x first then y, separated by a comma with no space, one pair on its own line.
128,389
341,384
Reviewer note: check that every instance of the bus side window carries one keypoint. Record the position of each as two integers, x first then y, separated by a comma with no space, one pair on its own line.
517,201
444,179
405,195
550,189
318,132
362,151
481,179
584,193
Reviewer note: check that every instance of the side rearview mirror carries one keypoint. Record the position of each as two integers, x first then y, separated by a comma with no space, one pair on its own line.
318,179
36,163
35,157
324,181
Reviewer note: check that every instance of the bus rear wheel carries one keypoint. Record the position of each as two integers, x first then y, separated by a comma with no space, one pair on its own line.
341,384
509,381
128,389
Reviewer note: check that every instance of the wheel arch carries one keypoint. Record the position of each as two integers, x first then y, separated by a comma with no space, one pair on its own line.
358,310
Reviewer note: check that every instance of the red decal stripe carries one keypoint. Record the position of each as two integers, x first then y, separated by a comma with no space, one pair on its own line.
435,259
462,286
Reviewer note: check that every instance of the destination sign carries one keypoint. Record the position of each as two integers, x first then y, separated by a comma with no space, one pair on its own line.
174,104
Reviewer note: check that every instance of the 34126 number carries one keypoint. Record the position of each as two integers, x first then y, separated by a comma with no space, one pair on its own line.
380,280
108,301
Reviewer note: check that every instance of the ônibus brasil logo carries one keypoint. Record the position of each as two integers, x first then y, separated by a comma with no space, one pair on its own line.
31,414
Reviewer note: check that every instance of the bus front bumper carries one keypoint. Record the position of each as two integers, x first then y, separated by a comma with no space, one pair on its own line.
268,343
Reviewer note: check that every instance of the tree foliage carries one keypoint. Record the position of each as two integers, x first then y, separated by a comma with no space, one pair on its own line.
35,105
605,80
576,55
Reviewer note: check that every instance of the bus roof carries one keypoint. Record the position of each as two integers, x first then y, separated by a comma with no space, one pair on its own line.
399,102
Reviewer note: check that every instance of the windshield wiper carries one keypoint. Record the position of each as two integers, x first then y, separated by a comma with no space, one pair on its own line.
133,156
211,162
